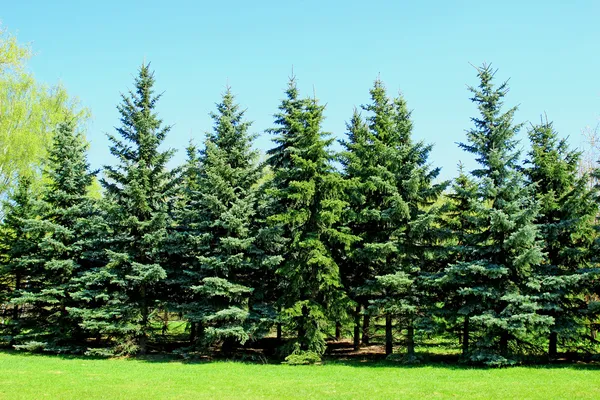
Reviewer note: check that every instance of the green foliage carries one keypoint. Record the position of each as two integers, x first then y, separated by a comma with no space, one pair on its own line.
17,243
391,195
46,272
306,212
301,357
566,221
495,277
228,249
218,231
139,191
30,113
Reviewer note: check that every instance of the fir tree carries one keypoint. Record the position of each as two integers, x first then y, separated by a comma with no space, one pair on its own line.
59,256
224,207
139,190
181,243
390,195
17,244
459,220
566,220
495,283
308,206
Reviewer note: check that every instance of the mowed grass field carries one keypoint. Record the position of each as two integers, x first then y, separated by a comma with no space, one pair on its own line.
25,376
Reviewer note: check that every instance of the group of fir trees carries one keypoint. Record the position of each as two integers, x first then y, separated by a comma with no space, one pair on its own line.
308,244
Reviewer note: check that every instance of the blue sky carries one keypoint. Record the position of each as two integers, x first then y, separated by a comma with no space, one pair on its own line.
548,49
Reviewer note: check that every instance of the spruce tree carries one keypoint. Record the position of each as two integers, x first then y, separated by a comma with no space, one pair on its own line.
58,257
309,202
224,207
181,243
495,282
391,196
460,222
139,191
17,244
566,222
359,265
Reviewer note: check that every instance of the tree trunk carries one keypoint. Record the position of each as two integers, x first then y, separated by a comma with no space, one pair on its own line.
15,311
17,287
365,330
504,344
63,319
192,333
552,346
357,327
278,325
199,331
165,327
302,329
410,339
338,331
142,342
389,339
465,337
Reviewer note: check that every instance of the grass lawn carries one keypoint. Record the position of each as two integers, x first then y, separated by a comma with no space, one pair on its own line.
24,376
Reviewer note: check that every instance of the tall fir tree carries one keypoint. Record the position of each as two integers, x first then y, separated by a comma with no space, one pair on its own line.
139,191
308,195
17,243
566,221
59,256
359,265
182,241
460,222
224,207
392,192
496,280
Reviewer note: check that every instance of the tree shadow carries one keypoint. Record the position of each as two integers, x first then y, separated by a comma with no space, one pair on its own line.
264,351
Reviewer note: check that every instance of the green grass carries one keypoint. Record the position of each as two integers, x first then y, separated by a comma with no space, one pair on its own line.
24,376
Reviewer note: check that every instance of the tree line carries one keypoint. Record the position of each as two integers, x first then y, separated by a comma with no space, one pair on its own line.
306,242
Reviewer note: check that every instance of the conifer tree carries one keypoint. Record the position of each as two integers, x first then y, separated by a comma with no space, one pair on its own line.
495,283
224,207
359,265
393,186
181,244
139,191
309,203
566,220
17,244
459,220
58,257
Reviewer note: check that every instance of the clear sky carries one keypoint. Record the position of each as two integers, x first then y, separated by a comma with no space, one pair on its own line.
549,49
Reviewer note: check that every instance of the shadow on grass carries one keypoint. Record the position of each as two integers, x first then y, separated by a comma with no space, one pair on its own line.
338,353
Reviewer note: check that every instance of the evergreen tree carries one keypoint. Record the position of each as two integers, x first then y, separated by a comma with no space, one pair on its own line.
459,220
566,220
359,265
181,243
391,198
495,283
308,195
224,207
58,257
17,243
139,190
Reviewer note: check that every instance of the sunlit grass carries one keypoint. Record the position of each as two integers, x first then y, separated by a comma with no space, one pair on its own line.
24,376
